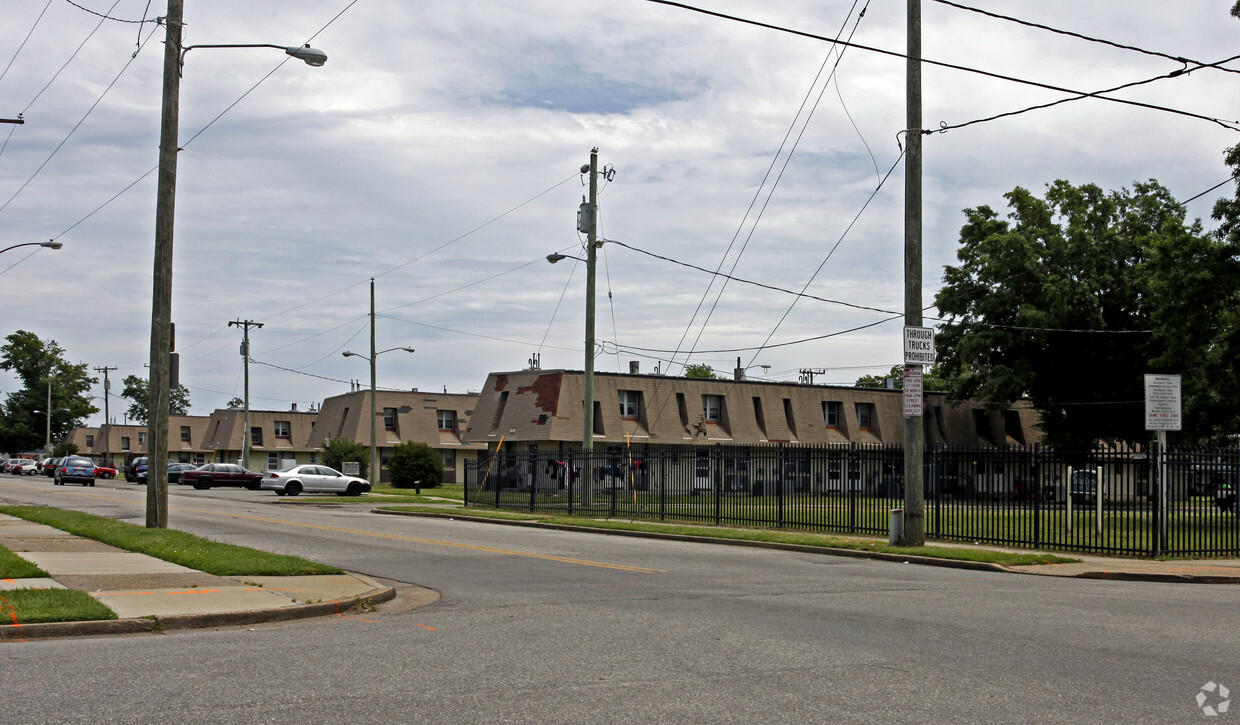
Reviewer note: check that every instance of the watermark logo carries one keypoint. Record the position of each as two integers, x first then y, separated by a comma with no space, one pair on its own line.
1213,699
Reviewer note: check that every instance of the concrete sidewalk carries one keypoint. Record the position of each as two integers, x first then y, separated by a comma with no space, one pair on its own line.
150,594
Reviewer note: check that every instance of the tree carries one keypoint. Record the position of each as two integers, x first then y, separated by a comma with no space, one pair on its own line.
236,402
415,464
700,371
338,450
931,380
23,419
136,393
1077,297
60,450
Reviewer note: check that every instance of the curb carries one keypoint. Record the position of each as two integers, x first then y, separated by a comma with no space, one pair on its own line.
802,548
151,625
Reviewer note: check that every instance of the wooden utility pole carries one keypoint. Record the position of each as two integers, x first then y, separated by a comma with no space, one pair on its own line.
914,431
107,420
158,384
587,434
245,326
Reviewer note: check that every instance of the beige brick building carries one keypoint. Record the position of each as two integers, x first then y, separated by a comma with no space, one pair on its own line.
531,408
436,419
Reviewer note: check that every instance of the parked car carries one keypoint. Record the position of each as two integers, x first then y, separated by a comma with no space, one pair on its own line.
221,474
102,471
7,466
135,470
49,466
45,465
313,479
25,468
74,469
176,469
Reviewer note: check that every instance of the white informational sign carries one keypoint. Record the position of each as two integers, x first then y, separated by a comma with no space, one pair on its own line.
1162,402
914,398
919,345
351,468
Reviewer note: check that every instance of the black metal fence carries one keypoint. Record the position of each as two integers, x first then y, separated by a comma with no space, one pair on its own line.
1096,500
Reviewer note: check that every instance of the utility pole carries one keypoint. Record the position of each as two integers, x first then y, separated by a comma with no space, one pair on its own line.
807,374
245,326
48,441
161,289
587,434
104,432
914,431
376,466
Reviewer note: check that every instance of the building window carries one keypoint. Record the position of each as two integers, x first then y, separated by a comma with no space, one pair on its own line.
141,439
630,403
712,407
284,429
447,457
865,416
447,419
831,412
124,443
273,461
256,436
389,418
90,441
185,433
200,459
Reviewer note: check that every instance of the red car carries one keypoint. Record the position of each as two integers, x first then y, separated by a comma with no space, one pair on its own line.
105,472
221,474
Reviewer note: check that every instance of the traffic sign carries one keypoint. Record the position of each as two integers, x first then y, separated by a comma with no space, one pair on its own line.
919,345
914,398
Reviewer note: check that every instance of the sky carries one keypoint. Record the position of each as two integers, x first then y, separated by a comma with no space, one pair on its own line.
440,149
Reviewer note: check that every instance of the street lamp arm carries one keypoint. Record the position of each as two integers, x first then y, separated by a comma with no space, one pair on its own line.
50,244
312,56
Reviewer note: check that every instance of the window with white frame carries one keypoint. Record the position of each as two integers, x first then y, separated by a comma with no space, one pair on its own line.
865,416
273,461
630,403
447,457
141,438
284,429
90,441
389,418
124,443
185,433
446,419
712,407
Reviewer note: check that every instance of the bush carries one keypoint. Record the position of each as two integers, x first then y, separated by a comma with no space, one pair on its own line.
415,465
339,450
64,449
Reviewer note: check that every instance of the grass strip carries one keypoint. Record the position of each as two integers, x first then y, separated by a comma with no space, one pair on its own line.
13,566
171,545
35,606
780,537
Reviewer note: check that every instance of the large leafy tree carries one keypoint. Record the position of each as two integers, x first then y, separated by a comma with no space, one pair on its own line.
23,420
136,393
1077,295
931,380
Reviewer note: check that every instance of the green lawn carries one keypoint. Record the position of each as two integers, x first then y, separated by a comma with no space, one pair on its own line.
172,545
13,566
34,606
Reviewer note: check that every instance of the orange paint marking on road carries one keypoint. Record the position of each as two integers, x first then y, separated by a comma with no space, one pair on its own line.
372,621
120,594
276,589
197,591
11,581
423,626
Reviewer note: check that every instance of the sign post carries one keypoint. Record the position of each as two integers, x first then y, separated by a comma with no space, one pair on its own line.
1162,413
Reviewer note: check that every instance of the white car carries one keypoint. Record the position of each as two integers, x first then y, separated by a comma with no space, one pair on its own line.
313,478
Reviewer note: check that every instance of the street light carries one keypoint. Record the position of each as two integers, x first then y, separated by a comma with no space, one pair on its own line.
374,450
161,293
50,244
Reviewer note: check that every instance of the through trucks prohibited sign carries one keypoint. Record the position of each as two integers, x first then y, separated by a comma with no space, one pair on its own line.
1162,402
918,345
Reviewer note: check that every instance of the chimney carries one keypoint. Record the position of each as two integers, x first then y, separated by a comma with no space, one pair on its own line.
294,407
634,367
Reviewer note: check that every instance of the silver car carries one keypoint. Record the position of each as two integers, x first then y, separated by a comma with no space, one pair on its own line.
313,478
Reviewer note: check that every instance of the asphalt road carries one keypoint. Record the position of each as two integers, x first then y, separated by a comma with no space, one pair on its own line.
556,627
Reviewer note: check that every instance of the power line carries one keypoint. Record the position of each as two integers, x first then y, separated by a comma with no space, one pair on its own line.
25,40
953,66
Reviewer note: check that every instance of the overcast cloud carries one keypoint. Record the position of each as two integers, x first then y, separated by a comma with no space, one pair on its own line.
439,151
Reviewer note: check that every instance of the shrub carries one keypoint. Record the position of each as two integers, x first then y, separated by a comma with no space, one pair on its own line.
339,450
415,465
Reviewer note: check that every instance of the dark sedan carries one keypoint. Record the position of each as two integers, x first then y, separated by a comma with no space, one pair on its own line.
176,469
74,469
221,474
